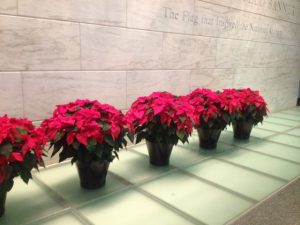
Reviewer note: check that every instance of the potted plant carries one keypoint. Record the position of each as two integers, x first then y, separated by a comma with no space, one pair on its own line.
21,150
211,116
91,134
161,119
252,111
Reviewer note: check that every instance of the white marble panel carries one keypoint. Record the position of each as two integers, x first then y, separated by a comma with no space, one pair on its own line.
219,21
44,90
8,7
120,48
216,79
141,83
284,9
11,102
33,44
265,79
235,53
188,52
109,12
161,15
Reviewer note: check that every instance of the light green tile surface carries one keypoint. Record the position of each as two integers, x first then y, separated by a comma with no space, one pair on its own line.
292,112
287,139
282,121
286,116
266,164
204,202
136,168
130,208
295,132
241,180
26,203
64,180
66,219
278,150
227,137
273,126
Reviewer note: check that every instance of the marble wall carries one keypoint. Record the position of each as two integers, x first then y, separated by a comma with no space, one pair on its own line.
53,51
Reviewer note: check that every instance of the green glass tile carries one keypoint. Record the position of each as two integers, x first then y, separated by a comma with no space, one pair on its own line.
26,203
128,208
287,139
287,116
180,157
263,163
278,150
63,219
259,133
295,132
205,202
282,121
227,137
194,146
64,180
291,112
273,126
240,180
136,168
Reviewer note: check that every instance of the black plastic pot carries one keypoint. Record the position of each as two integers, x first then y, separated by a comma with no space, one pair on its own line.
242,129
208,137
159,153
92,175
2,204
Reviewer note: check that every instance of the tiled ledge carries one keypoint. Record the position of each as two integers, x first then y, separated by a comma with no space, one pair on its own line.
199,187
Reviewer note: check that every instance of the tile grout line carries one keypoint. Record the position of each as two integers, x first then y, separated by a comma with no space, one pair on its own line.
278,117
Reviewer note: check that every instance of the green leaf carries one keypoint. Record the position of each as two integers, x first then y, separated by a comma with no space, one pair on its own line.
106,126
108,139
6,186
131,137
139,137
25,175
180,134
22,130
6,149
182,118
91,145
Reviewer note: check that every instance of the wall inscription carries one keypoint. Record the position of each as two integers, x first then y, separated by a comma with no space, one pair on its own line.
223,23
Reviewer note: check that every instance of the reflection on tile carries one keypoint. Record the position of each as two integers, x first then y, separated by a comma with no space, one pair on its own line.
273,126
128,208
63,219
241,180
180,157
25,203
67,184
259,133
282,121
278,150
287,139
286,116
227,137
295,132
197,198
266,164
292,112
136,168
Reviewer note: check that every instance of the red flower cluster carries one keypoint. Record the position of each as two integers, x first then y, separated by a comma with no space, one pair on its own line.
84,121
209,109
249,98
161,108
18,137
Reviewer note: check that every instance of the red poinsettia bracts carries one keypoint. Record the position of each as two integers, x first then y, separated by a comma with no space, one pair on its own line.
159,112
209,111
84,121
250,98
18,138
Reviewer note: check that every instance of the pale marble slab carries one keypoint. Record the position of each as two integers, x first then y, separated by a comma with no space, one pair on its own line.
109,12
33,44
120,48
286,10
161,15
216,79
44,90
8,7
141,83
11,101
215,20
188,52
236,53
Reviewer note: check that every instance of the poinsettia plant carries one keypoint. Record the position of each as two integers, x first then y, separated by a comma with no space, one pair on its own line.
252,106
209,110
21,150
160,117
88,126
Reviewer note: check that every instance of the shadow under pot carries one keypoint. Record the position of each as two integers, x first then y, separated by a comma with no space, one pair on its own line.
92,174
242,129
2,203
208,137
159,152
